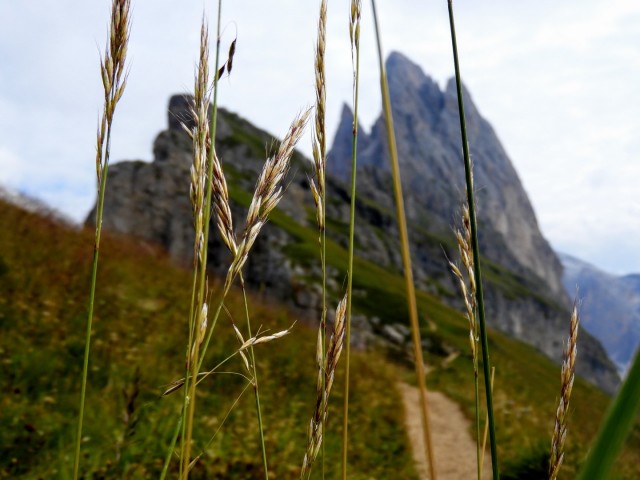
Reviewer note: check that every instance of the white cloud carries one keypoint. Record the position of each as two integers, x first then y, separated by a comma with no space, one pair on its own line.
556,79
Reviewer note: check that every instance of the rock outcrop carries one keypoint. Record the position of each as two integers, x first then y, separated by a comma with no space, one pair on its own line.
525,294
524,291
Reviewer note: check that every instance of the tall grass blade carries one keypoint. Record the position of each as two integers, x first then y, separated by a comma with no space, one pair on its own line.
190,395
619,420
256,389
406,256
476,252
114,79
354,35
318,189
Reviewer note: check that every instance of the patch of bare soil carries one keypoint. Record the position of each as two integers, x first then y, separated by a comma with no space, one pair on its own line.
454,448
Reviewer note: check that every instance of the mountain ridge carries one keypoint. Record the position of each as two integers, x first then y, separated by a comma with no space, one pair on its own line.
610,307
151,201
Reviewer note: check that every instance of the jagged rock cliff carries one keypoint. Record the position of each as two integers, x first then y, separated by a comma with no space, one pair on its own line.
524,292
428,137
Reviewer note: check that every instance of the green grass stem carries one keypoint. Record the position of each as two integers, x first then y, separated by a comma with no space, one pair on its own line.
355,38
114,79
92,294
255,380
172,446
486,363
406,256
619,421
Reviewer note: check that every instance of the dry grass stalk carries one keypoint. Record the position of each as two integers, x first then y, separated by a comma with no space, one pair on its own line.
319,148
354,25
222,206
200,135
468,285
201,326
114,80
405,252
201,145
244,345
267,194
326,374
567,377
319,135
198,195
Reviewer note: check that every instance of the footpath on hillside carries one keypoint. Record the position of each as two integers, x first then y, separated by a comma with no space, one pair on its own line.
454,448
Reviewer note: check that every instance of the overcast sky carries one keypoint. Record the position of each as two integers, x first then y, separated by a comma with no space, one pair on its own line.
558,81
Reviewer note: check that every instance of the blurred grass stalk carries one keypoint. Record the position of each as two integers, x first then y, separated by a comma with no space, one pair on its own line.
476,251
114,80
354,35
619,420
406,257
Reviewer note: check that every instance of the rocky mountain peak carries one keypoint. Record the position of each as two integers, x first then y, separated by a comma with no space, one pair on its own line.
427,131
414,95
524,294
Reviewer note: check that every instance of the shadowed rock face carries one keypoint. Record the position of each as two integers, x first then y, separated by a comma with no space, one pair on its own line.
524,294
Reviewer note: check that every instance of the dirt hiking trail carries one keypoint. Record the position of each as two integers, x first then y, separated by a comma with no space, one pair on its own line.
454,448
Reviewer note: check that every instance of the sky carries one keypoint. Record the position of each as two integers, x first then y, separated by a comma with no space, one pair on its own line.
557,80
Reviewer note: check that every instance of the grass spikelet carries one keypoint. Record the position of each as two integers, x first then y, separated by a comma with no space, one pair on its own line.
326,373
567,377
114,80
199,191
319,146
200,136
318,189
267,194
222,206
354,36
467,284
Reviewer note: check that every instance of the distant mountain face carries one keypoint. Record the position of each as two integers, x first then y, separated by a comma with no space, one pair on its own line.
429,148
609,305
524,293
526,297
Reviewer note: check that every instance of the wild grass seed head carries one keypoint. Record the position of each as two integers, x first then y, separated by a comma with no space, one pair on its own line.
567,377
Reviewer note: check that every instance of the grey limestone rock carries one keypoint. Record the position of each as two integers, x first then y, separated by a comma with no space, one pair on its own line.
525,294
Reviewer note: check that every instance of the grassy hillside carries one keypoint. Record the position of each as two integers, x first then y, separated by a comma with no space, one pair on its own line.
527,382
140,333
